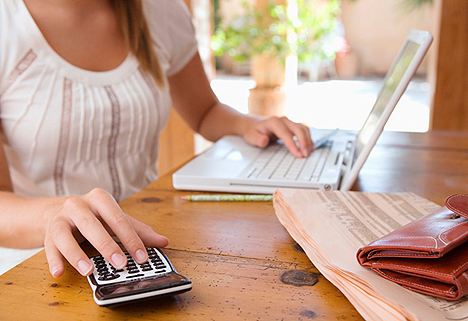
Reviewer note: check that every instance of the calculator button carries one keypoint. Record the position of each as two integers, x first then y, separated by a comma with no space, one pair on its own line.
105,273
134,276
133,271
108,277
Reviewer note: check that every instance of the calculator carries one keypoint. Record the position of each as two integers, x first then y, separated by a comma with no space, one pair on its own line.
135,281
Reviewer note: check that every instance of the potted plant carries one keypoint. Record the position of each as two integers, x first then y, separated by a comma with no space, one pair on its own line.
266,37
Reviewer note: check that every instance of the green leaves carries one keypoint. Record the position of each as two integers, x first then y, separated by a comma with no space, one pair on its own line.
279,32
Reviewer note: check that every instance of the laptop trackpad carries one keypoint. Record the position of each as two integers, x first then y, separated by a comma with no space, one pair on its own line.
226,158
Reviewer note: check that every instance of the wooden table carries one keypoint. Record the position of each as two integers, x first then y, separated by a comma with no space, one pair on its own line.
236,253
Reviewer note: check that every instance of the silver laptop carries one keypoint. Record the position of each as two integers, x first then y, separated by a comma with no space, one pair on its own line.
232,165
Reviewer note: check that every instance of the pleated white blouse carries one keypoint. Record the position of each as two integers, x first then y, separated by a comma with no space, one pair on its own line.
66,130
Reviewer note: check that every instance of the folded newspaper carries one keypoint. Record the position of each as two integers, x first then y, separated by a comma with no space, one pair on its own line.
332,226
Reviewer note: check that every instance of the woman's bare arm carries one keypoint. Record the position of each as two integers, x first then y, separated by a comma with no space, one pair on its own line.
55,222
199,107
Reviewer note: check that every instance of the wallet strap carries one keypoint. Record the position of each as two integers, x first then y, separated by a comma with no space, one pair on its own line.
458,204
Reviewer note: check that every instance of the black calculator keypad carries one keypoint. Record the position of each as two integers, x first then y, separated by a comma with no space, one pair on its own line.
105,273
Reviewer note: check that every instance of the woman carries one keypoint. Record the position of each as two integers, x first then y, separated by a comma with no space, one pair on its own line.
86,87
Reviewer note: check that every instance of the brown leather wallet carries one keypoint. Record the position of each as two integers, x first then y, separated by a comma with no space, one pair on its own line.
428,255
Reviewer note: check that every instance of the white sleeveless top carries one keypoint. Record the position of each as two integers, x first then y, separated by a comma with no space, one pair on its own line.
66,130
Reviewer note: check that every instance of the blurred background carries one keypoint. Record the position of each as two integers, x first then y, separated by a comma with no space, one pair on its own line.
322,62
312,60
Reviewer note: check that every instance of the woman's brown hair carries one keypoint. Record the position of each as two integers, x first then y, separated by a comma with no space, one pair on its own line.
137,36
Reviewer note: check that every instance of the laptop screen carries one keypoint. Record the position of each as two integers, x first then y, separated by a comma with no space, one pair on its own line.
393,79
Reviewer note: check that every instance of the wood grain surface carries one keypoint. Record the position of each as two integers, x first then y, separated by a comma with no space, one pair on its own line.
235,253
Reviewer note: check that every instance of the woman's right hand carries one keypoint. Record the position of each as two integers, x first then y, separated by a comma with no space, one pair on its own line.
95,216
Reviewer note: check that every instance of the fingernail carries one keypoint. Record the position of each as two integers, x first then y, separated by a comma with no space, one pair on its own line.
54,270
118,260
305,152
141,256
84,267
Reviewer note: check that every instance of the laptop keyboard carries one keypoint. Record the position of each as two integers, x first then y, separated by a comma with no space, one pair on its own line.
277,163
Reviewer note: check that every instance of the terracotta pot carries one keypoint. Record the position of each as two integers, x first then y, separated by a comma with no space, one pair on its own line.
267,71
267,101
347,65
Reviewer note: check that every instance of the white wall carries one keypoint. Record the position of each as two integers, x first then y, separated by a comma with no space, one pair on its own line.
376,29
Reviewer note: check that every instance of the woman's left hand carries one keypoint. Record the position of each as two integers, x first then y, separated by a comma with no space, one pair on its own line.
261,132
195,101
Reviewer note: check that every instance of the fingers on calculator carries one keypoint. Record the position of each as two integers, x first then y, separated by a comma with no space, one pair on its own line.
155,277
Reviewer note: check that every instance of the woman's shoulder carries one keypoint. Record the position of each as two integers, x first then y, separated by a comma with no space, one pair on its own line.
9,10
170,24
13,14
164,8
14,36
167,16
168,20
